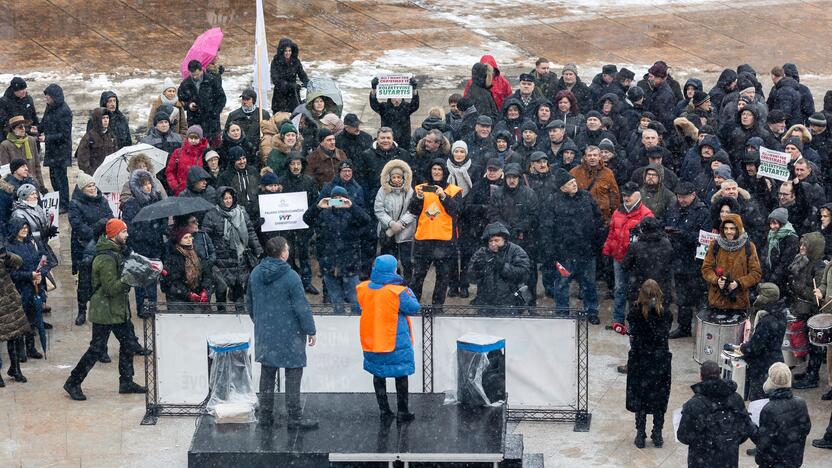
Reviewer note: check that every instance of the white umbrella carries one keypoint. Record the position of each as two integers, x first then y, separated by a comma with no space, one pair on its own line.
112,173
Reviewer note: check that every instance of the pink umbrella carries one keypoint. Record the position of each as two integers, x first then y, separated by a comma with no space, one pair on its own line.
205,49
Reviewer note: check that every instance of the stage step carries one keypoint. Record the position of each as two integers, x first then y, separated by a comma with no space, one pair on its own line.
533,460
513,454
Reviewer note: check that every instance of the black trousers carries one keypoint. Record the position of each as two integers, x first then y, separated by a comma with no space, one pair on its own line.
98,345
60,183
404,253
293,378
380,387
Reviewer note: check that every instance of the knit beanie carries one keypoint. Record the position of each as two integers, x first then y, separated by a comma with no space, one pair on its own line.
528,125
635,93
211,154
195,130
459,144
236,153
723,171
593,113
796,141
768,293
339,191
83,180
115,226
25,190
16,164
176,235
287,127
818,118
160,116
269,178
607,145
570,67
168,84
323,133
779,376
562,177
659,69
781,215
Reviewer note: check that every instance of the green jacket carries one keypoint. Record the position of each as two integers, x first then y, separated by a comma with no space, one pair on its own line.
109,304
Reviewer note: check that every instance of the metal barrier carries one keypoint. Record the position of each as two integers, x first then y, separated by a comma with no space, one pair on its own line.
578,414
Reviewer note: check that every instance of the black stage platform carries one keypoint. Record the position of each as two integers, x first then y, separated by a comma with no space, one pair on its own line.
351,434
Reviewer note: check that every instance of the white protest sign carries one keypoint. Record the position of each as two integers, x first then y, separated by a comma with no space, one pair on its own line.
5,170
51,202
113,200
755,408
283,211
705,239
774,164
394,86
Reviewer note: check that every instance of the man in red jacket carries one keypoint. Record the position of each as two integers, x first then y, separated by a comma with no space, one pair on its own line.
626,217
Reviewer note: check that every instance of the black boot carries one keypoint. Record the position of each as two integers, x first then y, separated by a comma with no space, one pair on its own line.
380,387
74,391
810,378
21,351
128,386
105,357
14,362
641,424
81,318
31,351
656,435
403,412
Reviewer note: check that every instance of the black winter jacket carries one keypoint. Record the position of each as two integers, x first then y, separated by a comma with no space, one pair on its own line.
498,274
396,117
285,76
571,226
84,212
764,348
57,129
210,100
784,425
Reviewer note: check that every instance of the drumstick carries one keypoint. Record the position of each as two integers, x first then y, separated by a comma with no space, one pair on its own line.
815,285
824,306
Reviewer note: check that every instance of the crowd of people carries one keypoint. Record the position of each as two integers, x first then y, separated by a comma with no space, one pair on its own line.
554,182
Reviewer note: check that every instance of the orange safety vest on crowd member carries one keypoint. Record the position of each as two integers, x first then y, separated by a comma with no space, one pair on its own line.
380,316
434,221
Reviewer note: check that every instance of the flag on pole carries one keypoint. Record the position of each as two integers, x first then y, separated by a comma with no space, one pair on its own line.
262,81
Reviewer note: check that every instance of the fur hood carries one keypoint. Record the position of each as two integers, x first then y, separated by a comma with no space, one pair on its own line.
140,159
444,148
385,175
743,194
797,130
686,128
280,145
271,127
6,187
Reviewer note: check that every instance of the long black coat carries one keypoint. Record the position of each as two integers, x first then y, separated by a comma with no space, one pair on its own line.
687,222
517,210
57,129
479,95
367,169
695,431
650,257
11,105
353,145
84,212
498,274
764,348
396,117
285,77
118,121
648,362
210,100
785,96
781,257
784,425
232,268
339,235
571,226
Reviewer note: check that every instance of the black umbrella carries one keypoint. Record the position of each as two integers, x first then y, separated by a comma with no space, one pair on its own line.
173,206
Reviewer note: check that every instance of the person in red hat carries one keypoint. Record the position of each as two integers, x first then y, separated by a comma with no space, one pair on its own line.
109,312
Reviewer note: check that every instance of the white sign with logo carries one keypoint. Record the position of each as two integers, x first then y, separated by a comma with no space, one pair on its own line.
774,164
394,86
705,239
283,211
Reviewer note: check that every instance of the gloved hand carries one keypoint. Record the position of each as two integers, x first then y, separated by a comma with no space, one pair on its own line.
414,83
193,297
51,232
374,83
203,297
44,190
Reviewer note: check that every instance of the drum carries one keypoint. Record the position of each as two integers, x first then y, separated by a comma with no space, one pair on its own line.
713,331
733,368
820,329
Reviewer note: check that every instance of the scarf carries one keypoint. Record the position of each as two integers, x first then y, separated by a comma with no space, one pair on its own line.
168,102
248,110
192,266
18,142
629,209
774,238
234,229
732,245
459,175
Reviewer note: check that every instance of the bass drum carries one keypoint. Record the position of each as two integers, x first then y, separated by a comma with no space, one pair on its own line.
820,329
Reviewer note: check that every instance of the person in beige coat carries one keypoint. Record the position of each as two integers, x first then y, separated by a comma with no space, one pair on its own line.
19,145
178,119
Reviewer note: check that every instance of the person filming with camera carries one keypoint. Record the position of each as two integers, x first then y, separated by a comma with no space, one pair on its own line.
731,268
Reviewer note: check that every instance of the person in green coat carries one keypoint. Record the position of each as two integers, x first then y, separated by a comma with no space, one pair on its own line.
108,312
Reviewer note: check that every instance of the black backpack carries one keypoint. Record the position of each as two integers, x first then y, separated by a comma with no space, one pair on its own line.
724,426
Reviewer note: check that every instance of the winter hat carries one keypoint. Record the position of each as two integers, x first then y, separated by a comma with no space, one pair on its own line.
629,188
287,127
528,125
570,67
593,113
557,123
345,164
160,116
700,97
723,171
768,293
269,178
503,135
18,83
513,169
537,156
83,179
818,118
562,177
684,188
796,141
776,116
607,145
352,120
635,93
179,233
16,164
655,152
609,69
115,226
484,120
211,154
396,170
781,215
459,144
339,191
527,77
332,120
195,130
494,163
385,264
626,74
25,190
745,85
236,153
659,69
323,133
168,84
779,376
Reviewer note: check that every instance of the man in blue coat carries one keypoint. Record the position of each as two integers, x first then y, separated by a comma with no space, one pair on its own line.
386,333
283,327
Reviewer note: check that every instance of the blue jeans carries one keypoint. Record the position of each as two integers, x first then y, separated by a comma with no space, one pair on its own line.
622,285
142,294
341,290
582,271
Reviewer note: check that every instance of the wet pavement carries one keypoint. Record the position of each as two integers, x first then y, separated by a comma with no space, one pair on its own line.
131,46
